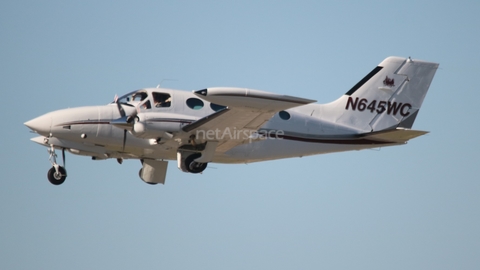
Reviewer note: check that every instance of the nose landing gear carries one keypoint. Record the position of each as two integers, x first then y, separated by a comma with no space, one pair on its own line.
57,174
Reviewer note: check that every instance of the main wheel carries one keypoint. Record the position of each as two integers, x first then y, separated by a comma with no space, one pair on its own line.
194,167
57,178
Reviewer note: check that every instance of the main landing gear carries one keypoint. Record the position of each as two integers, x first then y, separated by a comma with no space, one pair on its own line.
186,162
194,158
194,167
57,174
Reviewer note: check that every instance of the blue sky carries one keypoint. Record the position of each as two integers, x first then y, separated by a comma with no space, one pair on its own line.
409,207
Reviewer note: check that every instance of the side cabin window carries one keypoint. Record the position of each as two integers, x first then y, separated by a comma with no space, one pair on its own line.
162,100
194,103
284,115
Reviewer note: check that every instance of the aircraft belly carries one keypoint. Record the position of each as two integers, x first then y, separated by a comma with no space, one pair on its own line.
277,149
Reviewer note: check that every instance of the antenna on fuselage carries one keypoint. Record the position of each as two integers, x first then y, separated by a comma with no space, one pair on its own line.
158,86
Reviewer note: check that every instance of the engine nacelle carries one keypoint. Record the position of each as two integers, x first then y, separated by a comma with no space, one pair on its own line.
153,171
151,126
94,155
148,131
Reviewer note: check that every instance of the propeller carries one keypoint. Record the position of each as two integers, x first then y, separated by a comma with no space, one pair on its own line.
125,122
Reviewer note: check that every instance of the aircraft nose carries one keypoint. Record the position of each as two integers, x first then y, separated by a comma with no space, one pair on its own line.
41,124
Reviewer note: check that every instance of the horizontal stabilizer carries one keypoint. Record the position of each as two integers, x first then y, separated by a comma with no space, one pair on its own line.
395,135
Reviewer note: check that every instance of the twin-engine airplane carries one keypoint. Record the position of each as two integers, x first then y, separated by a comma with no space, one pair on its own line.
238,125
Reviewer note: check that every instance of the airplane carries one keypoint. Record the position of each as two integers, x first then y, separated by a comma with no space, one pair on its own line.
237,125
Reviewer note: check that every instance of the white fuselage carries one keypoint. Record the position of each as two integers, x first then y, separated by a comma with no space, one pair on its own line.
87,131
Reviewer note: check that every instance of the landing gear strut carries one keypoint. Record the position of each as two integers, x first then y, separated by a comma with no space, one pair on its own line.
57,174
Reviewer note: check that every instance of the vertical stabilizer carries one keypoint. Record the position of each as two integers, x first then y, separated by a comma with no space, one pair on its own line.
389,96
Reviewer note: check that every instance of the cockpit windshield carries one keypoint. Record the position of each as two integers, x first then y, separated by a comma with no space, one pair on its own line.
133,98
145,100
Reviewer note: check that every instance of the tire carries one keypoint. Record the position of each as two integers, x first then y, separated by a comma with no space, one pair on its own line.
194,167
57,179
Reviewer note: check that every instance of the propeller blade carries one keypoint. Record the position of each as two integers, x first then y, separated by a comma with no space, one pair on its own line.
133,114
124,139
120,109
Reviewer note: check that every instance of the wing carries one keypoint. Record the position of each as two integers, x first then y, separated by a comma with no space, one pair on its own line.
247,111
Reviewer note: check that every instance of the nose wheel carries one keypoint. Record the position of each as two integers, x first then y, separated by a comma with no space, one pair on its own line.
57,174
57,178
